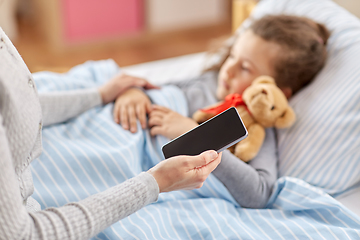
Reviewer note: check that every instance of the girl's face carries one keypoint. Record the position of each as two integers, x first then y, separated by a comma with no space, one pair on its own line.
250,57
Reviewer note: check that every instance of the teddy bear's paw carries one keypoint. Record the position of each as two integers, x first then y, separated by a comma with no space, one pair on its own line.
232,149
200,116
244,152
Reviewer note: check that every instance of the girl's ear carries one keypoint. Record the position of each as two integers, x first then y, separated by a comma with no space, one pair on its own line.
264,79
287,92
287,119
323,32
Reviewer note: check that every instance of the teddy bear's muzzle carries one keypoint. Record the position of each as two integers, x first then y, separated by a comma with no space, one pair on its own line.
261,99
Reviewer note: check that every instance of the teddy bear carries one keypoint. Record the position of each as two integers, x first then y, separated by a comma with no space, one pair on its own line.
262,105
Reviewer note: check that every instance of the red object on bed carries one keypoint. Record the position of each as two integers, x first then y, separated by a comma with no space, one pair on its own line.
231,100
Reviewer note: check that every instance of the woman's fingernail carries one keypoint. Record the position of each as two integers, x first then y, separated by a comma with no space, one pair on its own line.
213,155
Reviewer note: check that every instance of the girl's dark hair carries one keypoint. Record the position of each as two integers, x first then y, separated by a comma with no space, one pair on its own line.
303,48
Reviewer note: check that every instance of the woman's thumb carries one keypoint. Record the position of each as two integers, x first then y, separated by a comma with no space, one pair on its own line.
209,156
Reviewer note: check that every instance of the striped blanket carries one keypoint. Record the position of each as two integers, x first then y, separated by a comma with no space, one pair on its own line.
91,153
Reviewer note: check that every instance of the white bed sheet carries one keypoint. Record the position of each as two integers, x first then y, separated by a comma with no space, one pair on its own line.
351,200
188,66
169,70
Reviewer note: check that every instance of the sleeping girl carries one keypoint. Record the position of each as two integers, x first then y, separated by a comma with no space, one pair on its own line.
290,49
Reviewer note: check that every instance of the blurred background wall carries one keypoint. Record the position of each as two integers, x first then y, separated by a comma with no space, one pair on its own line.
352,6
58,34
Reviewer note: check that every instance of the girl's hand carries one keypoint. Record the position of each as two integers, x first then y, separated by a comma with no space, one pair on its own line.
168,123
132,105
185,172
120,83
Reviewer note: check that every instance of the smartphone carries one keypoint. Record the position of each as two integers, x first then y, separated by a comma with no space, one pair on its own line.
217,133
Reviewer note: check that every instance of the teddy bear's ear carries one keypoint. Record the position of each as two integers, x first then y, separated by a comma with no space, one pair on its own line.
264,79
287,119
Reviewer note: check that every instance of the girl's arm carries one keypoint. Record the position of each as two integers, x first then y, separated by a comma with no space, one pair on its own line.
250,184
199,91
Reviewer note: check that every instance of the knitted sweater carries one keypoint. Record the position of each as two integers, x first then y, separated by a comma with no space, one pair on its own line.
23,113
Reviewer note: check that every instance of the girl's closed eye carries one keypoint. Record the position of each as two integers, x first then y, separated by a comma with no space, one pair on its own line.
245,67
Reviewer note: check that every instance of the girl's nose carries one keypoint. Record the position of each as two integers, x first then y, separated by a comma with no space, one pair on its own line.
231,70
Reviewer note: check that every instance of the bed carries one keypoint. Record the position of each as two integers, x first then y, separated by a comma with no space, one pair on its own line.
318,188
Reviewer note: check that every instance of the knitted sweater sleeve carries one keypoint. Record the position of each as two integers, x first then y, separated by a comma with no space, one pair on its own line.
60,106
79,220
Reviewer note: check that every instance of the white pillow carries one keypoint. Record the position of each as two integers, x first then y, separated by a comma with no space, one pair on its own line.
323,147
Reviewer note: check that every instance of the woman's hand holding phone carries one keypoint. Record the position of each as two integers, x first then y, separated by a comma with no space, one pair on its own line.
185,172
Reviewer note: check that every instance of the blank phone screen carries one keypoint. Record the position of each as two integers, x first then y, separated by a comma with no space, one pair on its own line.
214,134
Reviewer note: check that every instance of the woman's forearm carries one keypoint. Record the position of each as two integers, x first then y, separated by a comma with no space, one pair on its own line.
60,106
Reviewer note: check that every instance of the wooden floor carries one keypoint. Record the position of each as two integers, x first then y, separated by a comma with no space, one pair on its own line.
146,47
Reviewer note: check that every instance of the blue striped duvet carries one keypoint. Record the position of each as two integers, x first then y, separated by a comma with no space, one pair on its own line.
91,153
